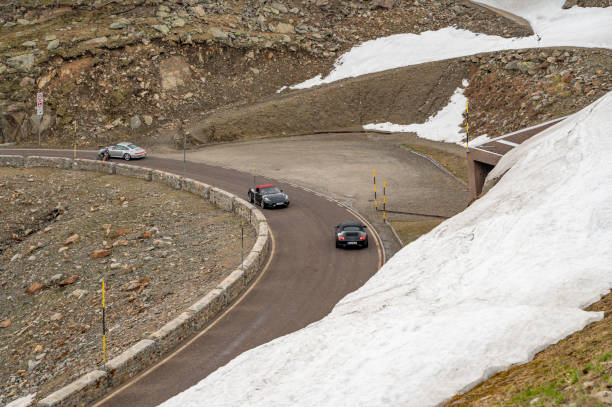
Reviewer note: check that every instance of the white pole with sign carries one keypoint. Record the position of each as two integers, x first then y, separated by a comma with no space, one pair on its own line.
39,111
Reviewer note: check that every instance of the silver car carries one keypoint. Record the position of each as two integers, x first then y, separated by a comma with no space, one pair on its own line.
127,151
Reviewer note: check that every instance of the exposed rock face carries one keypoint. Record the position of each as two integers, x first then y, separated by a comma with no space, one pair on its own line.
174,72
46,121
76,67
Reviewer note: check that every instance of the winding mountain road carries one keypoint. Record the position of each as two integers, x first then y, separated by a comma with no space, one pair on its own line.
305,277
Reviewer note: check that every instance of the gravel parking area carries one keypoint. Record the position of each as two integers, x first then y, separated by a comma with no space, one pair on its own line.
340,165
62,232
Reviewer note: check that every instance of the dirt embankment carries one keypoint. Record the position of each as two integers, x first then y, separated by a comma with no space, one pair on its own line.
62,232
405,95
508,90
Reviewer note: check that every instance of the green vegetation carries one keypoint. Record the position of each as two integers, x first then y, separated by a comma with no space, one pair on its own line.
410,231
456,164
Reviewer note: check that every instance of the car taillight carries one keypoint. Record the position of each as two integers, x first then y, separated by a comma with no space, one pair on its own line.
341,238
362,238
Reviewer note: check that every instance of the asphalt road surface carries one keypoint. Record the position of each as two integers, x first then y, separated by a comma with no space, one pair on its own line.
305,278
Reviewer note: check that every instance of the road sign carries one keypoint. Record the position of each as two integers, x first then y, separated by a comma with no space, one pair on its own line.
39,103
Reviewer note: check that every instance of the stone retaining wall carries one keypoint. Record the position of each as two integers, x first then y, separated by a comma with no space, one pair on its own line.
94,384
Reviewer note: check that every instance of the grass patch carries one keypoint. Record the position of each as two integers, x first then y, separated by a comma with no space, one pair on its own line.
541,396
570,372
457,165
411,231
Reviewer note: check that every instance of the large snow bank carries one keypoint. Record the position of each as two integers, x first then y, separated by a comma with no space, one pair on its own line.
553,26
484,290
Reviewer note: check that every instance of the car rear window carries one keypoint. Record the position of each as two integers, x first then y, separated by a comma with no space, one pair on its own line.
352,229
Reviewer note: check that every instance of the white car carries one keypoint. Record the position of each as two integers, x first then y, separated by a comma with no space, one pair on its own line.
127,151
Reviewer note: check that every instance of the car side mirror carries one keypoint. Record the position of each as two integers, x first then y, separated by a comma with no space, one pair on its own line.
281,190
365,227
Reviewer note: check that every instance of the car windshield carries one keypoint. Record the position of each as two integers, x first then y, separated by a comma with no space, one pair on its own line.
133,146
352,228
270,190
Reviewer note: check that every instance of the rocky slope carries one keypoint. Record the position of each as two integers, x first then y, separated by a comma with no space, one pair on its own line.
142,69
59,238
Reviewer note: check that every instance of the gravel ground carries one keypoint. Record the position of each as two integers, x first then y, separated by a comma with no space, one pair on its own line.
62,232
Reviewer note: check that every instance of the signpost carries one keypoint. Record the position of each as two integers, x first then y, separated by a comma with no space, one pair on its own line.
39,111
467,127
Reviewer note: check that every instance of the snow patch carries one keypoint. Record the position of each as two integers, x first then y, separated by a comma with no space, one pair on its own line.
553,26
443,126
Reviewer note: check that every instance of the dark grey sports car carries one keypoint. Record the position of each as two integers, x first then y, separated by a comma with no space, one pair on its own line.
351,234
268,196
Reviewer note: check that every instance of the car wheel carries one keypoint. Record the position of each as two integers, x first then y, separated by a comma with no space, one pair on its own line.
263,205
337,245
126,157
251,198
365,245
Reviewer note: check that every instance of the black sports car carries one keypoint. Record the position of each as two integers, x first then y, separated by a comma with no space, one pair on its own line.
268,196
351,233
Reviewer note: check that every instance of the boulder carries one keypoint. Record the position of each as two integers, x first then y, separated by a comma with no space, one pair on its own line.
388,4
96,41
71,239
35,288
198,11
280,7
178,22
22,63
218,33
54,44
100,253
162,28
119,24
26,82
283,28
70,280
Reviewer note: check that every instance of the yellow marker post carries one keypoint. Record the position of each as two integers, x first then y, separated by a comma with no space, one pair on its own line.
375,200
103,326
467,127
384,198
